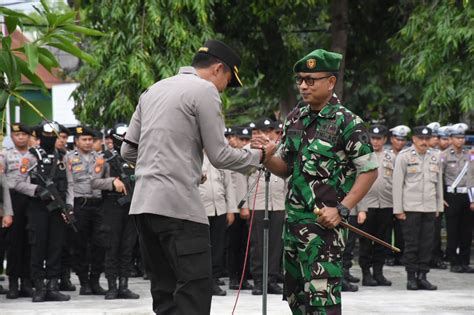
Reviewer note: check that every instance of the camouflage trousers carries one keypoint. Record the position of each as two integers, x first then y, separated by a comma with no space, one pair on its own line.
312,264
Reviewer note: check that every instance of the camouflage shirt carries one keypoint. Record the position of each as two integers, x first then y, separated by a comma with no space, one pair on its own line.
324,152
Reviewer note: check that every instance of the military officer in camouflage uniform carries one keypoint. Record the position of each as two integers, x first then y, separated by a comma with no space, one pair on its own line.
417,199
459,218
326,151
18,255
88,171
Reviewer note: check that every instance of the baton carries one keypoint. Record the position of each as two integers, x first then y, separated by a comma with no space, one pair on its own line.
346,225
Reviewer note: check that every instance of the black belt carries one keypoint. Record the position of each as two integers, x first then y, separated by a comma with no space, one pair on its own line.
85,201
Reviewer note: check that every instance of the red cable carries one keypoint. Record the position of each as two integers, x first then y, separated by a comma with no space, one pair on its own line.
248,245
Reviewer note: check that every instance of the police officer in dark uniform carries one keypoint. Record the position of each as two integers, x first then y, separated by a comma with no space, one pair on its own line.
18,255
45,221
122,234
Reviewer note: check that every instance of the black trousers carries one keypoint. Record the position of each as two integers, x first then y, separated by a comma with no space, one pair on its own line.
418,232
378,224
120,240
18,254
238,233
459,221
89,241
218,227
177,258
275,244
437,254
398,240
348,253
46,235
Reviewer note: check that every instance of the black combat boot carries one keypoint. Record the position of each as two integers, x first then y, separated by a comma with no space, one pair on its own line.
65,284
274,288
123,290
380,278
52,292
13,292
112,293
85,286
40,291
349,277
216,290
257,287
423,283
95,285
367,278
348,287
412,284
26,287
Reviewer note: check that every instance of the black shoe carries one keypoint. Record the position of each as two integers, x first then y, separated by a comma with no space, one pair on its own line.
233,284
2,278
219,282
257,288
280,278
348,287
216,290
112,293
380,278
367,278
424,284
467,269
124,292
40,291
13,292
274,288
52,292
246,285
135,272
390,261
350,278
65,283
95,286
438,264
456,269
412,284
26,288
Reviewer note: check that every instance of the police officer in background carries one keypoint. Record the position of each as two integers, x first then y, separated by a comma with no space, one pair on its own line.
378,204
398,140
417,199
6,210
122,235
18,255
434,140
459,218
45,221
444,139
174,232
89,171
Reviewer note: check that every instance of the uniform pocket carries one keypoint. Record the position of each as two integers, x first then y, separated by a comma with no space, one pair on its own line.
434,170
320,161
194,259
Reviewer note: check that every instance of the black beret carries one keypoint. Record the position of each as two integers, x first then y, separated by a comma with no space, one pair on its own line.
378,131
264,124
84,131
17,127
422,131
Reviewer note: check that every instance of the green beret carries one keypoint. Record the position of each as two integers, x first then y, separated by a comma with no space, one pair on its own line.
319,60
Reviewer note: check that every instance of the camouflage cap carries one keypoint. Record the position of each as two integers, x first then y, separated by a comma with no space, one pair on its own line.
319,60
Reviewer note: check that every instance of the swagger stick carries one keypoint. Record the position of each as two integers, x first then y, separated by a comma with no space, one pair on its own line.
317,211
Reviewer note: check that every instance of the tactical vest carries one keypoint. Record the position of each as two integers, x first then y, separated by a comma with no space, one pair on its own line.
51,166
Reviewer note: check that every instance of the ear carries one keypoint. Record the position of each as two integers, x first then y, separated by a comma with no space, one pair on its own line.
332,82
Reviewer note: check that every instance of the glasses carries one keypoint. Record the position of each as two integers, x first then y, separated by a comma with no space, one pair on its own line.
309,80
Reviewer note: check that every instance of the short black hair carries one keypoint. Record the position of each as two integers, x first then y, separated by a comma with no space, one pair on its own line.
202,60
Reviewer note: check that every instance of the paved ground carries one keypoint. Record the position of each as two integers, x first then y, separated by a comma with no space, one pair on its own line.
455,296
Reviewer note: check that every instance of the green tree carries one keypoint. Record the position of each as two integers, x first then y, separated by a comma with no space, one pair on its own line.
146,42
437,58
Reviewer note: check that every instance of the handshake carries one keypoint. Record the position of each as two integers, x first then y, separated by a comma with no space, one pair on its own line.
263,143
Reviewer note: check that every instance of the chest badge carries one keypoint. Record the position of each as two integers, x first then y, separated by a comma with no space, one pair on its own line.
99,165
25,162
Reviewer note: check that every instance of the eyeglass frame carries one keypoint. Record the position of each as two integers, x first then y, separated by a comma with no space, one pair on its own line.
309,80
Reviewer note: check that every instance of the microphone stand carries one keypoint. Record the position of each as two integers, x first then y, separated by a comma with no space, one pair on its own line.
266,226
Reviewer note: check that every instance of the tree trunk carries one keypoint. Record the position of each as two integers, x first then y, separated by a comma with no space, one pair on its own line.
339,30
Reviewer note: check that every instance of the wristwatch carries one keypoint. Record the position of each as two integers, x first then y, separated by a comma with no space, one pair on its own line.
343,210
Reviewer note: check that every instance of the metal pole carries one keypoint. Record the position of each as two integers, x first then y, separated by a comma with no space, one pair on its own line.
266,224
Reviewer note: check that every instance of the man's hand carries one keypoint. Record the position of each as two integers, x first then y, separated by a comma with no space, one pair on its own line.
329,217
361,217
472,206
70,212
230,218
263,142
7,221
244,213
401,216
119,186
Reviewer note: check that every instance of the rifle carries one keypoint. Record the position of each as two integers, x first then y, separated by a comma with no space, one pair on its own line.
57,202
115,162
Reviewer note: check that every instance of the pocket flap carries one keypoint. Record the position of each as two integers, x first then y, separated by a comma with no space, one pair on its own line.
192,246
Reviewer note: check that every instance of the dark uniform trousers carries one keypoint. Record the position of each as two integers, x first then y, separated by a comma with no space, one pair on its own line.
237,243
459,221
177,258
217,228
121,238
378,224
46,235
437,254
89,241
398,240
418,233
348,253
18,254
275,246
